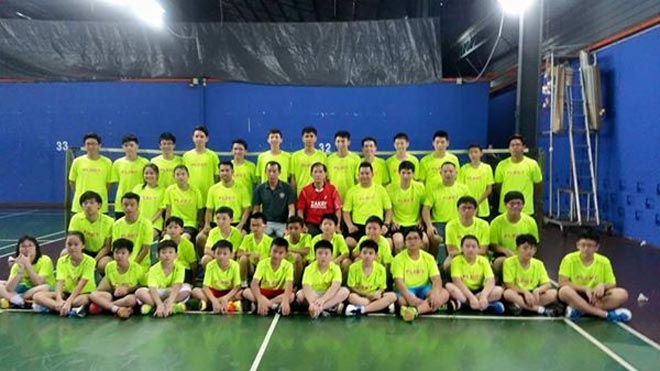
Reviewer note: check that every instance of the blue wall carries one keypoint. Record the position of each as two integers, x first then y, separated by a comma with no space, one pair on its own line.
36,116
501,117
629,158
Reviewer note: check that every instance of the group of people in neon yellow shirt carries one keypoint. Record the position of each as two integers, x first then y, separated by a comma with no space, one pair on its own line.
423,223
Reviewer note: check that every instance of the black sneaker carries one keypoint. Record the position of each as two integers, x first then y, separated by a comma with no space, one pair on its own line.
453,306
554,310
514,309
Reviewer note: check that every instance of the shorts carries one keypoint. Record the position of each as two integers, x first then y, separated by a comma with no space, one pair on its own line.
165,293
419,291
188,277
275,229
271,293
313,229
218,293
192,231
357,234
90,253
403,230
21,288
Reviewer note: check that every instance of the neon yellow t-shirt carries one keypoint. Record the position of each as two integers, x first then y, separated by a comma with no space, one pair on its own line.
503,233
140,233
283,158
519,177
71,275
393,163
235,197
95,233
166,169
301,166
363,284
384,249
526,279
363,202
222,279
321,281
215,235
600,270
455,231
305,241
262,248
184,204
477,180
273,279
43,268
133,277
185,253
381,173
203,168
127,174
339,246
158,279
90,175
406,204
442,201
417,272
341,172
151,200
473,275
430,165
245,175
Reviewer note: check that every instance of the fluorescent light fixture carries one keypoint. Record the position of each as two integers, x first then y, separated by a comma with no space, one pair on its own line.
149,11
515,7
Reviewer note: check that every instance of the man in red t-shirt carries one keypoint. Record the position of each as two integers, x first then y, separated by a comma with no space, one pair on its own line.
318,198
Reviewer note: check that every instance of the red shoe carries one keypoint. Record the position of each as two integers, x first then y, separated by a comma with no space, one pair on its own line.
95,309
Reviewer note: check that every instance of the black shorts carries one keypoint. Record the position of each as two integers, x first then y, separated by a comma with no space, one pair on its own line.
188,277
357,234
90,253
403,230
313,229
192,232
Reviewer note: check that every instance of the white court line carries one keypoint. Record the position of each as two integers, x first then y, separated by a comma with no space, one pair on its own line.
264,344
42,245
39,238
600,345
641,336
17,214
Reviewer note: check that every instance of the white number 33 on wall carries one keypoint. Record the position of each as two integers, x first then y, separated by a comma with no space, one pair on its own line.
61,145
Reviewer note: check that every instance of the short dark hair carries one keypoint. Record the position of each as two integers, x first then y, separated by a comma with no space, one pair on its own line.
415,230
526,239
309,129
181,167
92,135
343,134
374,219
223,244
241,142
122,243
201,128
474,145
514,137
258,215
316,164
131,196
166,136
129,138
226,163
274,163
589,234
275,131
407,165
467,200
401,136
369,139
513,195
37,248
469,237
369,244
323,244
448,163
441,134
225,210
365,164
90,195
330,216
165,244
174,219
295,219
79,234
280,242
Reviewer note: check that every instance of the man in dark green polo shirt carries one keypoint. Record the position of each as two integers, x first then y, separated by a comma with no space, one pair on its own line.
275,200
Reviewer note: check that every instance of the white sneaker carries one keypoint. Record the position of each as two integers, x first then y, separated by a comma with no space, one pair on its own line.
352,310
39,308
391,308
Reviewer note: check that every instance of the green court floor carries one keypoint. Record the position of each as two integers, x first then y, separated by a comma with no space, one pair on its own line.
245,342
46,225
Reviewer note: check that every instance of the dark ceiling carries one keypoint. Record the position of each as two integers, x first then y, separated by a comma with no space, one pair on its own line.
468,27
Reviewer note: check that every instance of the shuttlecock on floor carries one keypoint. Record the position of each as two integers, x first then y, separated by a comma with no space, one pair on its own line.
642,298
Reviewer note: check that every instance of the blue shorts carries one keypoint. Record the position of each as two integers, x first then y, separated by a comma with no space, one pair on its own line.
21,288
419,291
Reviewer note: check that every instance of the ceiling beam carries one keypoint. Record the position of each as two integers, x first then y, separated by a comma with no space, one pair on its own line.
268,13
251,9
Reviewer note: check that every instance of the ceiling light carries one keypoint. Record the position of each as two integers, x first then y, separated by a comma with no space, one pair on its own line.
515,7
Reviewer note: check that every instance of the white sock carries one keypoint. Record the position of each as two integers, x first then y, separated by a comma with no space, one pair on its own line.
17,300
114,309
541,309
